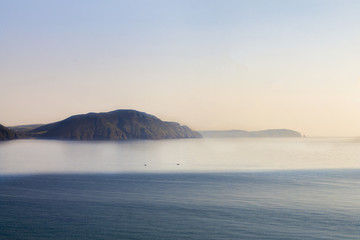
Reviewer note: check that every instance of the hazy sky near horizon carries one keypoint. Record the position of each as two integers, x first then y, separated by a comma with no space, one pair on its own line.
248,65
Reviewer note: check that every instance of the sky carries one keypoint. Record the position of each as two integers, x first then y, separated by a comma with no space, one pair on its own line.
208,64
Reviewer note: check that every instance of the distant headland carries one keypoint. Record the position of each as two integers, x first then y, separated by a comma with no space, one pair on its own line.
271,133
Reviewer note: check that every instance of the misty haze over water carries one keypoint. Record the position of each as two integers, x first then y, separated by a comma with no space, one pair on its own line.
180,189
190,155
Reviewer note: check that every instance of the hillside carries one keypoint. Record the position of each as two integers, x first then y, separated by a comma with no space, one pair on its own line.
6,133
115,125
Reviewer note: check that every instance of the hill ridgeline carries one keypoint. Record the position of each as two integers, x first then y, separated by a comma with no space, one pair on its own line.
115,125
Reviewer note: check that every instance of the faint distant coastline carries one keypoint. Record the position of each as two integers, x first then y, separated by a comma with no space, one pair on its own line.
25,128
273,133
115,125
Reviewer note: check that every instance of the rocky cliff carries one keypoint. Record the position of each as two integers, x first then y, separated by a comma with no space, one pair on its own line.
6,133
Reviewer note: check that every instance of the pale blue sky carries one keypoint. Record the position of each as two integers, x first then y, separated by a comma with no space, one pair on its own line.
208,64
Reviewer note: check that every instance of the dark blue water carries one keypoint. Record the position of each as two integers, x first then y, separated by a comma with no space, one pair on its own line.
312,204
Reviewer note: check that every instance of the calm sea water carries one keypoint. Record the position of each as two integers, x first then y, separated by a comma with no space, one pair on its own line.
221,189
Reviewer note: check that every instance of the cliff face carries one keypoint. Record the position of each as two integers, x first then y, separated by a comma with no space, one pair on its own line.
6,134
115,125
246,134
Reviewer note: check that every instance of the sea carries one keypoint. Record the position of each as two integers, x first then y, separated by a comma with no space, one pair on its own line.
257,188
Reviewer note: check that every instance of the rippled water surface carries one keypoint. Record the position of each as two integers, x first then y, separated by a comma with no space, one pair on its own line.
221,189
